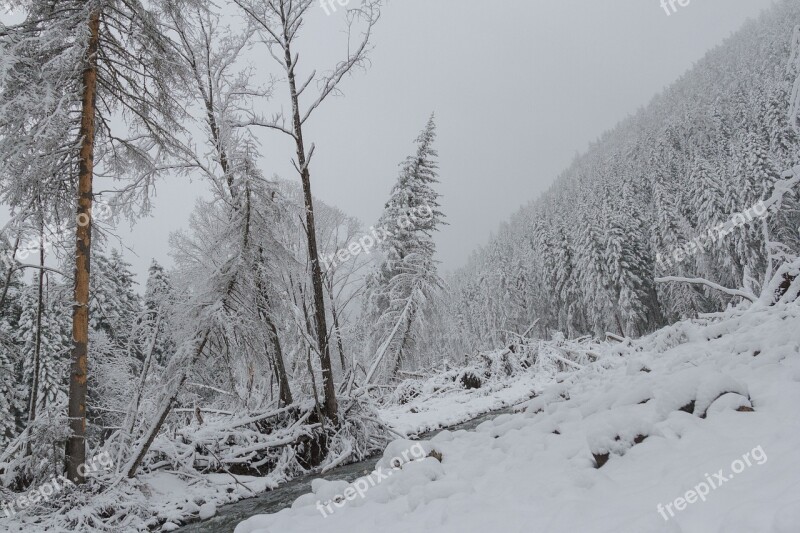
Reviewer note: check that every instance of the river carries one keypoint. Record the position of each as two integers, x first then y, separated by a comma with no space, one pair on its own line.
228,516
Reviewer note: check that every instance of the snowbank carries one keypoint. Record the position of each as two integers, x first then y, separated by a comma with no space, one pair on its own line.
621,445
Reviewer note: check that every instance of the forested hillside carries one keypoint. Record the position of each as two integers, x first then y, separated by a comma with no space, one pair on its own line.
583,258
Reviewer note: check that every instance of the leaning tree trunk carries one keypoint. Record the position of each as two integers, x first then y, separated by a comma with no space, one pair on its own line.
330,406
265,312
406,336
76,444
133,409
165,406
285,391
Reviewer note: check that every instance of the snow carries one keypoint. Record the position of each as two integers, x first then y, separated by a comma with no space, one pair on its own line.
207,510
431,413
176,499
536,470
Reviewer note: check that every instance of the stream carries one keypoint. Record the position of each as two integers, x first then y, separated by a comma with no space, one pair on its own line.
229,516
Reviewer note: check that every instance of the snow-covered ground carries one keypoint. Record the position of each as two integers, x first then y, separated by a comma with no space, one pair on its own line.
431,413
170,499
698,423
174,499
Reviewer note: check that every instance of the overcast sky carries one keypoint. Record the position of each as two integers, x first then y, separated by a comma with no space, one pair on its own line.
518,87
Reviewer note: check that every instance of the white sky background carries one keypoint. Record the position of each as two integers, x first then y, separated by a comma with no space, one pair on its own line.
518,87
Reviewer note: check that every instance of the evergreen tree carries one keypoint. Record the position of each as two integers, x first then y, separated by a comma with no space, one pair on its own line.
406,282
412,213
783,141
756,175
567,287
11,398
115,311
669,232
115,305
628,264
54,348
592,274
158,298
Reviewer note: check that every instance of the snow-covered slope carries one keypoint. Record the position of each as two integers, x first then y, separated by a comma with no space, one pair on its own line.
693,429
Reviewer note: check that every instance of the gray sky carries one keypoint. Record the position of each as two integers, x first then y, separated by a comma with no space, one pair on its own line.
518,89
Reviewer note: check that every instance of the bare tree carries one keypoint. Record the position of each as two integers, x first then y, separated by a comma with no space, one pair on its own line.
279,23
344,280
228,249
211,54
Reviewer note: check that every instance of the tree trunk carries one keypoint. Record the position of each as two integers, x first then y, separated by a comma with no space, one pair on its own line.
133,409
619,324
76,444
385,345
285,391
330,406
164,410
37,351
399,361
335,315
9,275
339,342
280,367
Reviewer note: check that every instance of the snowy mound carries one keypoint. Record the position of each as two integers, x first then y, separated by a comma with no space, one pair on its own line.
692,429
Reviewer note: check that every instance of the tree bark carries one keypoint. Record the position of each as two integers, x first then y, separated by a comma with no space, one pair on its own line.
330,405
280,366
76,444
339,342
399,361
285,391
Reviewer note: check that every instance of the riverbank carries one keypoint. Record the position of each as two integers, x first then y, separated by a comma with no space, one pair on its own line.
172,497
691,430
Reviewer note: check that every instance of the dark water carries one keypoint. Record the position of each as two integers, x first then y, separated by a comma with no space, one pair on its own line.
228,516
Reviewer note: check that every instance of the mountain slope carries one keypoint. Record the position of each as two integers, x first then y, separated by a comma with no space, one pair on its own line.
583,258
